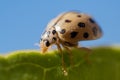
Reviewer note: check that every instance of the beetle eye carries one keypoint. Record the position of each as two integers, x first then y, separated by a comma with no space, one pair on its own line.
47,43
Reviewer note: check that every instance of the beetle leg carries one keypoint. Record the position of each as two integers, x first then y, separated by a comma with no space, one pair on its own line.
63,63
70,54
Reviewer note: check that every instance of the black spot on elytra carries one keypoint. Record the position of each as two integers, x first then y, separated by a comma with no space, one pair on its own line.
54,38
73,34
91,20
94,29
78,15
62,31
81,24
86,35
47,43
67,21
53,32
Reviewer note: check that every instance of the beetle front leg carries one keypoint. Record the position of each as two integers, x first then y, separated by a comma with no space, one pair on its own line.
63,63
70,55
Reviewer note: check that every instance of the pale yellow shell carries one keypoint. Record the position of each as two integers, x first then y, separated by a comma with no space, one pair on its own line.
69,22
70,28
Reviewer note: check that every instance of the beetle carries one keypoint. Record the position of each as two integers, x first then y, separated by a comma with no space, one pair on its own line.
67,29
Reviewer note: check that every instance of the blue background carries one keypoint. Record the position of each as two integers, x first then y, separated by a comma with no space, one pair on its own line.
23,21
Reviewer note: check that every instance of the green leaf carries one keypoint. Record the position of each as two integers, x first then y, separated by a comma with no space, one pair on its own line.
102,64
